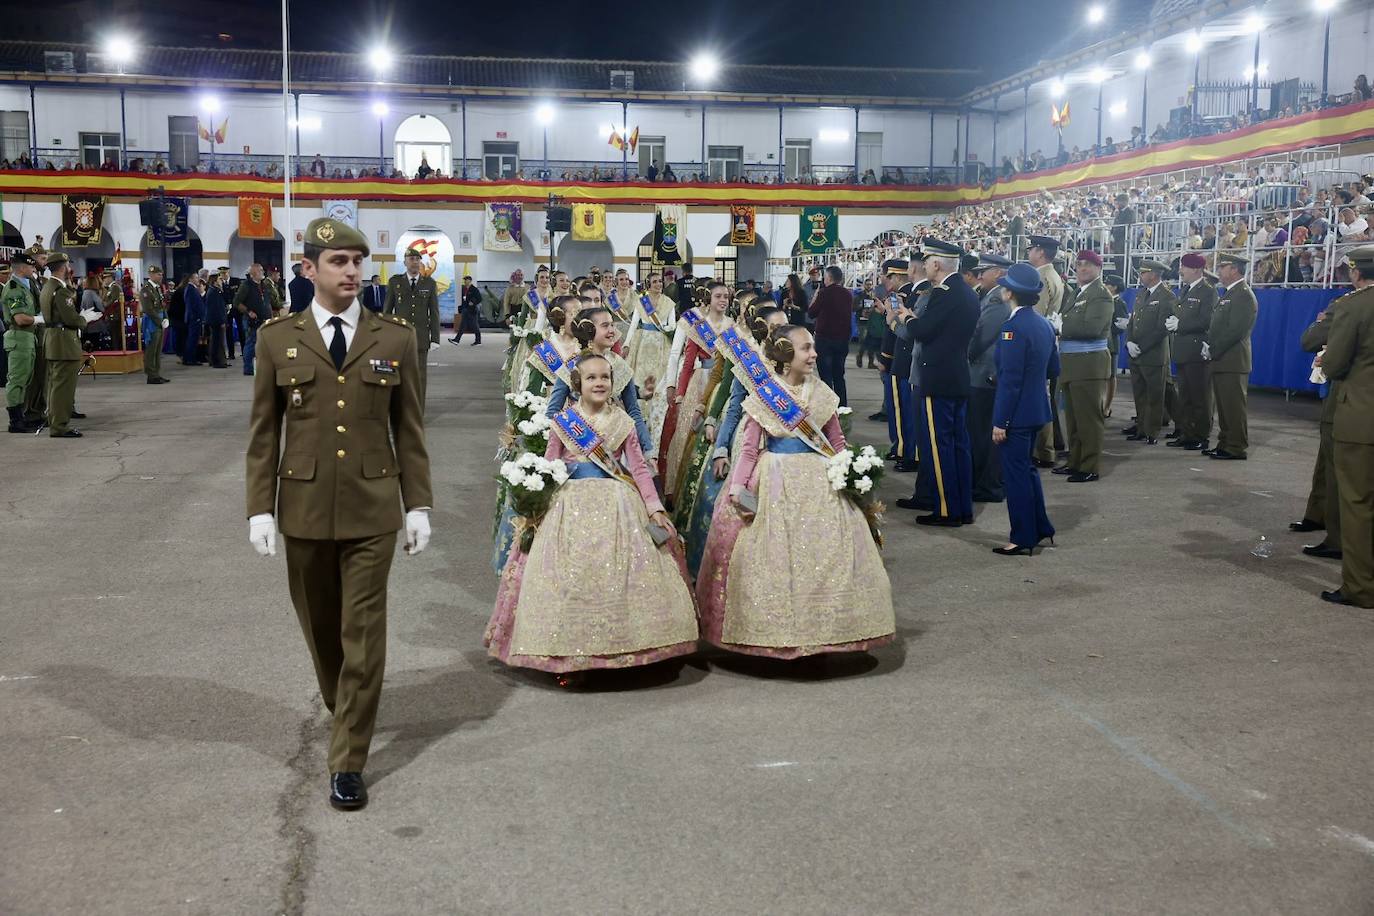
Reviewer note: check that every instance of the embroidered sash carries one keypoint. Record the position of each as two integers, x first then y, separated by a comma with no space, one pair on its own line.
771,393
700,330
578,434
616,308
650,311
545,358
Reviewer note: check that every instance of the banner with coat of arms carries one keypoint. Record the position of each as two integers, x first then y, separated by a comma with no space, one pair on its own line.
83,219
742,224
670,233
501,229
175,229
345,211
589,222
820,230
255,218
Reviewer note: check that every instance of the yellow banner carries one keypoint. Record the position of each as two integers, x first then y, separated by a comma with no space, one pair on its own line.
589,222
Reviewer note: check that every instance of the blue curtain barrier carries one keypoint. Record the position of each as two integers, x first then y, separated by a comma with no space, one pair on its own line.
1278,361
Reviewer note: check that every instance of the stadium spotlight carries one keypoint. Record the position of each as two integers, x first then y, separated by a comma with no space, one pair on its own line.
1056,88
1325,6
120,49
1096,13
1117,109
1098,75
544,114
1253,24
1249,72
1194,42
705,66
379,109
1142,60
210,103
381,59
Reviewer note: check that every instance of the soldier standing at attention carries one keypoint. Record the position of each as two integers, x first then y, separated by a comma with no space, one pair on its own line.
415,299
1349,359
63,325
155,312
344,382
1085,365
1041,256
20,310
1147,341
1189,325
1228,350
36,395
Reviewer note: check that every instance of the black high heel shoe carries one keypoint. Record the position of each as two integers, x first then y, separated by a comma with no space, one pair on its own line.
1043,540
1014,551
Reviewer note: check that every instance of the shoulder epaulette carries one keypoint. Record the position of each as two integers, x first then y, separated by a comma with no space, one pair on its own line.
396,319
275,319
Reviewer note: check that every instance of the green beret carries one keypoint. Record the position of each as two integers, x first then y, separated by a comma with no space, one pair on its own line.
1155,266
57,257
155,269
332,234
413,253
1234,260
1362,257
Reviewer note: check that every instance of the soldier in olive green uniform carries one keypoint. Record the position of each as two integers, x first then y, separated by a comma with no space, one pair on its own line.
1189,325
1147,339
345,384
63,325
1349,358
1041,255
415,298
1323,504
1085,365
20,309
36,395
154,310
1228,351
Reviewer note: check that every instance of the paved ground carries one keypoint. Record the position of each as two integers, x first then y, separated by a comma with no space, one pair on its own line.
1147,719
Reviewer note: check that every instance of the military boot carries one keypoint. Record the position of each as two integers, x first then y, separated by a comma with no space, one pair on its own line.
17,422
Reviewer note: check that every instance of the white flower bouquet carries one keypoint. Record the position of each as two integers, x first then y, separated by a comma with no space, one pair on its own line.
846,415
855,472
531,481
526,420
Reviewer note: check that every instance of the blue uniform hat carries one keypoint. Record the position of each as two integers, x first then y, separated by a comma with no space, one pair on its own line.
986,261
934,248
1021,278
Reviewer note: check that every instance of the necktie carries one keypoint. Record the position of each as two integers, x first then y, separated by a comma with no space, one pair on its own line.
338,347
412,284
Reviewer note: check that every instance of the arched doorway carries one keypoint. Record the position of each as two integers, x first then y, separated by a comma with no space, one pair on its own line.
645,257
437,262
738,263
86,259
423,138
11,237
578,257
244,253
180,261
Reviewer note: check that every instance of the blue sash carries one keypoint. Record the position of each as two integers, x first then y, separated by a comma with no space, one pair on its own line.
788,445
767,387
586,470
587,441
1082,346
537,301
706,335
651,311
548,359
616,308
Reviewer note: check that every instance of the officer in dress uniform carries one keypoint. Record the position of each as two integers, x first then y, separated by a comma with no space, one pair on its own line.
36,395
982,377
62,325
1227,351
1086,364
154,310
891,280
415,299
20,309
1147,341
943,329
1188,326
345,384
1041,255
902,412
1349,359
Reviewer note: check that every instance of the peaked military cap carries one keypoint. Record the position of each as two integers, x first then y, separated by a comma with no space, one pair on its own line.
1156,266
1051,245
1362,257
57,257
988,261
895,266
330,233
1113,280
1234,260
934,248
968,262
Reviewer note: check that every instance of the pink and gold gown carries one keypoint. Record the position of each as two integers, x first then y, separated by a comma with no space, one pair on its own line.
804,577
594,591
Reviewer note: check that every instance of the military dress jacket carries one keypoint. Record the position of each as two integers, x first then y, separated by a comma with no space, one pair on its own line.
419,308
1349,359
1228,336
337,475
1313,339
16,298
1194,311
63,324
1026,360
151,301
1087,318
943,331
1147,329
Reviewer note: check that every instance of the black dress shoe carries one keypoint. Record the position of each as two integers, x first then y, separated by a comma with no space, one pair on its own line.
1173,435
1306,525
1177,442
1209,452
1040,463
78,415
1064,470
907,502
1197,445
453,340
1129,431
942,521
877,416
1223,455
1148,440
347,792
1083,477
1014,551
1335,597
69,434
1323,550
905,467
891,454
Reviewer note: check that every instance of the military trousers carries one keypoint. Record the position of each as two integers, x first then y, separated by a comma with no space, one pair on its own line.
1331,496
1084,424
1231,392
1317,493
901,416
987,467
339,592
36,395
423,349
1051,437
62,375
152,355
1172,409
950,465
1194,418
1025,498
19,375
1147,382
1354,464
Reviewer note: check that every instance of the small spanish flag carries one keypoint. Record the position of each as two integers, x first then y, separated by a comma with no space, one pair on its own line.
616,140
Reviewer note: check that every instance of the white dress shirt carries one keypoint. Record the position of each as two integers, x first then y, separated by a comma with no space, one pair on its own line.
348,316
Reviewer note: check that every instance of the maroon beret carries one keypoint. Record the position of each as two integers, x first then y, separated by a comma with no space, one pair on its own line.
1193,260
1092,257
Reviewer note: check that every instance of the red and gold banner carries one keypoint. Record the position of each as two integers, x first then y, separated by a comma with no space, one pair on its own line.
1334,125
255,218
742,218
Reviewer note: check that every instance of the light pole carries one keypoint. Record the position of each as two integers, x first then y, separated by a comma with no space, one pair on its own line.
379,109
1255,24
1142,62
211,104
1325,6
1195,47
120,49
1099,76
544,116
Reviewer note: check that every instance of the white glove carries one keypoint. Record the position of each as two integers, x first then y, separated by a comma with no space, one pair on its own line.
1171,323
38,320
1057,322
1206,352
165,324
92,315
1122,323
1133,348
262,534
417,530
